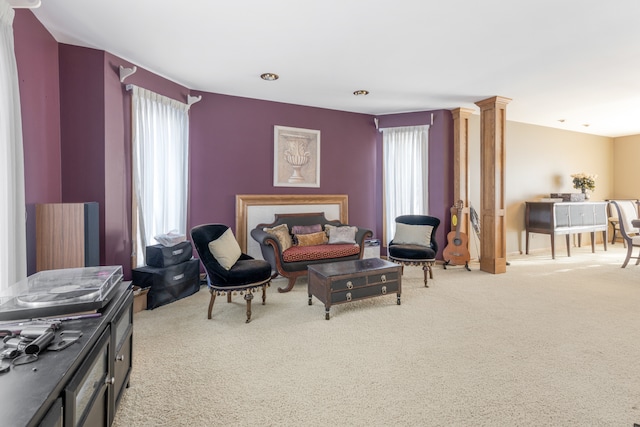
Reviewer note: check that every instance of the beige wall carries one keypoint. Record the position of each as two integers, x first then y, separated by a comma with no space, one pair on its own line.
626,173
540,161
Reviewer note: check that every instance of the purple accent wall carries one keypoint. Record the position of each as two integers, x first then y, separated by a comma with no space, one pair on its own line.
232,153
37,58
82,124
77,120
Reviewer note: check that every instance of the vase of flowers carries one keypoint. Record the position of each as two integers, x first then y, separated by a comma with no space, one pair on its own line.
584,182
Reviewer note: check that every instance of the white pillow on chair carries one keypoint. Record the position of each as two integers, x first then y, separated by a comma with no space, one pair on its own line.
413,234
225,249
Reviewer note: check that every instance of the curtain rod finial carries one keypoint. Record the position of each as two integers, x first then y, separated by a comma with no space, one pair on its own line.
126,72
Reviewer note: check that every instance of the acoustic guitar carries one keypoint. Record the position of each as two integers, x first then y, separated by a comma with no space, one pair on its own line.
457,250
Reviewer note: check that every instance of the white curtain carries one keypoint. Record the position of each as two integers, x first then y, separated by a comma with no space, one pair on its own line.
405,157
160,167
13,240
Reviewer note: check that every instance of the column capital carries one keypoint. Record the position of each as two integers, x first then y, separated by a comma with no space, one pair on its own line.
494,100
462,113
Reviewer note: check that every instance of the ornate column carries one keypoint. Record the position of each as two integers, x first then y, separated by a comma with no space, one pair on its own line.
493,117
461,163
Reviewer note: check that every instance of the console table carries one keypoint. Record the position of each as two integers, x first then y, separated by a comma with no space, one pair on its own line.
566,218
80,385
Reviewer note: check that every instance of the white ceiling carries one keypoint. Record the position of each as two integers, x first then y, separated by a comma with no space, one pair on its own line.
571,60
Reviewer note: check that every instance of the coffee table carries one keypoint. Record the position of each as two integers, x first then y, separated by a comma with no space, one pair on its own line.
346,281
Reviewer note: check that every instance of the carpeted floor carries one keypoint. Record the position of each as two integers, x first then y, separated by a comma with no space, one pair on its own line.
549,343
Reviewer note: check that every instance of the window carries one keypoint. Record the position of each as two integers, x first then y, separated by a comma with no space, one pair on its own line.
405,157
13,244
160,146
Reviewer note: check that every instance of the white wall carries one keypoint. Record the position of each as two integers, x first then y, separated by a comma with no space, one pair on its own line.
540,161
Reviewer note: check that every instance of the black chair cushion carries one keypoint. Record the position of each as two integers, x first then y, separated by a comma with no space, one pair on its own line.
413,252
247,271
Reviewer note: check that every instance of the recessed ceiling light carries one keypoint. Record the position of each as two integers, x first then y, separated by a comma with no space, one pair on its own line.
586,125
361,92
269,77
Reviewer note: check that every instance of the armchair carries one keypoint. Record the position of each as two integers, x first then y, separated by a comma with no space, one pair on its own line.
415,242
229,270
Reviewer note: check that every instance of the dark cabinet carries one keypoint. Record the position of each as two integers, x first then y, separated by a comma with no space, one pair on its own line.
87,395
122,342
54,416
82,384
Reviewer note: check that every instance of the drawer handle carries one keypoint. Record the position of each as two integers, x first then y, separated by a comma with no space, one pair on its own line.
120,358
348,296
383,278
384,290
349,284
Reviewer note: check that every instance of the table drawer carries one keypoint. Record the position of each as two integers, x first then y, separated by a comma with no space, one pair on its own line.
348,283
385,277
364,292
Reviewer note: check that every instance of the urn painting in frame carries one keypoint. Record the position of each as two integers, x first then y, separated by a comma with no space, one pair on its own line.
296,157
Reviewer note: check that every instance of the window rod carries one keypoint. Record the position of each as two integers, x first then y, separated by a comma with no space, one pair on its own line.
190,99
376,122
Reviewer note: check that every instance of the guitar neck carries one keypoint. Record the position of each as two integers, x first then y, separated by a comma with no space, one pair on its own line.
458,222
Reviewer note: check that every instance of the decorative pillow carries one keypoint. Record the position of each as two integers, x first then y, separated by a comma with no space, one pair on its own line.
312,239
413,234
328,228
344,234
281,232
306,229
225,249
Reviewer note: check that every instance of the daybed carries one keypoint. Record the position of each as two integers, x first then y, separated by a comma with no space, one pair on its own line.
294,241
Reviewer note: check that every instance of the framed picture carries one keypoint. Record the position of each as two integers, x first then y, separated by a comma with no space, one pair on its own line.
296,157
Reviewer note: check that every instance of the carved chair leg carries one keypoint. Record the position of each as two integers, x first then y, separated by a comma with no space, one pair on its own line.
426,269
213,299
228,296
248,296
292,281
264,294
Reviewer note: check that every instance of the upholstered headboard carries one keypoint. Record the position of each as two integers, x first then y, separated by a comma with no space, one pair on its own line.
252,210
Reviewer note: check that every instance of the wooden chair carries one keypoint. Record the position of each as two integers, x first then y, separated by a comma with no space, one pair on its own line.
627,211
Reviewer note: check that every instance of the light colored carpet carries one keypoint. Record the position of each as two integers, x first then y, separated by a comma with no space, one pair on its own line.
549,343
